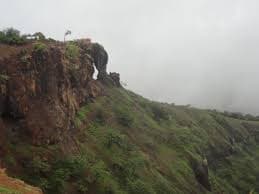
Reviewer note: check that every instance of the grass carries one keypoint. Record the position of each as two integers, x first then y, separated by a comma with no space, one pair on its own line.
72,51
128,144
4,190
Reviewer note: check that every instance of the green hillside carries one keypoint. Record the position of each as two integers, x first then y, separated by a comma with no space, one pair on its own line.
67,133
128,144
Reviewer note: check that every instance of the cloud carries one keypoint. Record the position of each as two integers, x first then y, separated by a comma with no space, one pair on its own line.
202,52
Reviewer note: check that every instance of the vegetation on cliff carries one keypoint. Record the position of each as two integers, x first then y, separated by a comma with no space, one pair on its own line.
128,144
65,132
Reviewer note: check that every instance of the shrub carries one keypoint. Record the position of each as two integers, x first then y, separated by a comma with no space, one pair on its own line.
128,169
82,186
139,187
51,40
8,191
114,138
64,170
52,177
2,36
9,160
159,112
72,51
39,47
39,166
124,117
11,36
39,36
100,115
3,77
162,185
103,178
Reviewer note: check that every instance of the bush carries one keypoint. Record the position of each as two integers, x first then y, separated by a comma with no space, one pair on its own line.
64,170
3,77
159,112
115,138
128,169
103,178
100,115
53,176
124,117
38,166
72,51
39,47
162,185
39,36
5,190
11,36
139,187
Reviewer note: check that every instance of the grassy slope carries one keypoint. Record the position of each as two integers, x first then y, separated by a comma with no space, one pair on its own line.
155,144
128,144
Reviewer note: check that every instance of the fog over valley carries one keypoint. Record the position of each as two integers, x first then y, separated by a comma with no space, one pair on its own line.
203,52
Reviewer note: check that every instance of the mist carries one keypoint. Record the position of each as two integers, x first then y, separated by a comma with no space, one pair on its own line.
204,52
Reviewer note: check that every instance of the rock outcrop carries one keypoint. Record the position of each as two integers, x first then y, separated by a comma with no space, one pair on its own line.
99,56
115,78
201,172
41,89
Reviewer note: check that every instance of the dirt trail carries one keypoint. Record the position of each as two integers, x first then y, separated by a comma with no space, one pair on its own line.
10,185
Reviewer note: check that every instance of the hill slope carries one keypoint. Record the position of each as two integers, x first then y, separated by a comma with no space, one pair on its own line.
13,186
73,134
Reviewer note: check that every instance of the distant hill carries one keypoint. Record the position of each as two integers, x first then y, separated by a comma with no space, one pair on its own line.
65,132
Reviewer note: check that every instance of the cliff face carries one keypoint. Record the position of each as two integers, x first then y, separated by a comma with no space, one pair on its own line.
41,89
65,132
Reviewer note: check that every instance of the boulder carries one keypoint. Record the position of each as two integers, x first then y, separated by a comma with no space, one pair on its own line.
201,172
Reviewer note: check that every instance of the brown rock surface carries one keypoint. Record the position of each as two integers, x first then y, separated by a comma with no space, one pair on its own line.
42,89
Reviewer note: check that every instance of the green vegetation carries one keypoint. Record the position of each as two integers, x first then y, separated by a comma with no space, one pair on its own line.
127,144
39,47
124,116
122,143
72,51
241,116
12,36
4,190
39,36
4,77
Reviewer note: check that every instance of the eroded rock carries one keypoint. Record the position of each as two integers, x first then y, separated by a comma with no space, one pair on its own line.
201,172
44,90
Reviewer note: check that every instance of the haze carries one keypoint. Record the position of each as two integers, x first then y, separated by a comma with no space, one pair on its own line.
202,52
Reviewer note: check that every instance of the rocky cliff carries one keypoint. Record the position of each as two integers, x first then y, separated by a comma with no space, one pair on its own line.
41,89
67,133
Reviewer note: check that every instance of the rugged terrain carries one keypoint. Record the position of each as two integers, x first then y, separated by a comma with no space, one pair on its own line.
65,132
13,186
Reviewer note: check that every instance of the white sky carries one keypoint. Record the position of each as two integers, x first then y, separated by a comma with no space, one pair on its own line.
201,52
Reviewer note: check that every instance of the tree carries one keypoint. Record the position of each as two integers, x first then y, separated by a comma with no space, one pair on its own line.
39,36
11,32
11,36
68,32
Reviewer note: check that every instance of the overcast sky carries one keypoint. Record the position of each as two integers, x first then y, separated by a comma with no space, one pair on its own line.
203,52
